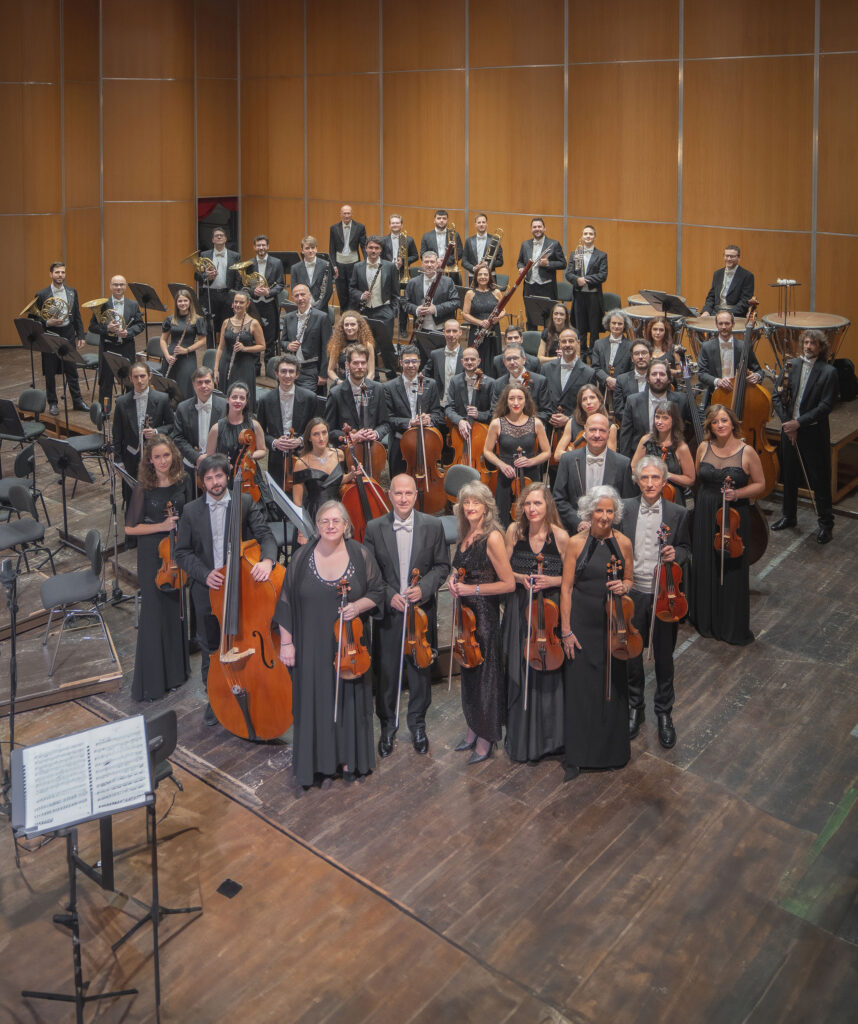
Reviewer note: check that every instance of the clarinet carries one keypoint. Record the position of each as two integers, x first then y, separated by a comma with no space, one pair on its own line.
363,305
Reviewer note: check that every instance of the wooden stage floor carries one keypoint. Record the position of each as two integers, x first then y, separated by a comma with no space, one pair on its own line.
714,882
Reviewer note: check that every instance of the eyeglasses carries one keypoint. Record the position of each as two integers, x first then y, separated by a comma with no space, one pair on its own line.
330,522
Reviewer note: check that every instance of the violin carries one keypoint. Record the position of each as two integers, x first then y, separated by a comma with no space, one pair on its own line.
245,465
626,641
421,449
670,603
364,499
544,649
169,576
416,630
727,521
352,659
668,492
465,647
519,482
525,379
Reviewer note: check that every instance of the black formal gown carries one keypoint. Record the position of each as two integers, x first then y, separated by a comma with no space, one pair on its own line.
537,732
483,700
673,466
716,611
308,607
228,444
482,305
596,730
511,437
161,659
184,333
319,487
244,366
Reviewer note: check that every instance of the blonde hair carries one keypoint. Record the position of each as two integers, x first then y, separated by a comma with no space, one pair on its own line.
479,492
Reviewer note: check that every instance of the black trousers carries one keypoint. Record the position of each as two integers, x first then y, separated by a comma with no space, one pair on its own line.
549,291
381,321
814,445
388,643
220,309
269,321
105,374
343,282
587,317
52,365
664,641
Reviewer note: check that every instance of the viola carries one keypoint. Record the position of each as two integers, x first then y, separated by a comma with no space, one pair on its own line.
465,647
544,649
364,499
626,641
727,522
421,449
670,603
668,492
352,658
169,576
416,631
245,465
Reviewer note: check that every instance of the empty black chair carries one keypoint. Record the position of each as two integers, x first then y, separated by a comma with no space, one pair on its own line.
25,476
25,533
16,429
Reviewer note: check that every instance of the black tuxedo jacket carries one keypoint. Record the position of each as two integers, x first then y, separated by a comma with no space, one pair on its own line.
457,399
601,356
274,277
298,275
571,482
531,364
565,397
389,283
74,307
538,391
233,278
820,394
133,324
186,427
597,271
627,385
429,555
271,420
435,364
387,250
470,259
357,240
556,259
399,408
429,243
636,418
341,409
314,341
709,362
672,515
740,292
125,433
446,299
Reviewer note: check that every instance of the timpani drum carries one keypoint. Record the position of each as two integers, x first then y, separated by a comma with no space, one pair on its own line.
702,328
638,300
641,314
784,336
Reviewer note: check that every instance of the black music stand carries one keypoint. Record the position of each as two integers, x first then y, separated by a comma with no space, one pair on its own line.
664,302
294,513
68,462
120,367
177,286
427,342
147,298
538,308
32,334
288,257
66,351
166,385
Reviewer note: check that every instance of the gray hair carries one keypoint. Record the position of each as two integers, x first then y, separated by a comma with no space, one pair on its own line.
606,320
478,492
587,502
341,508
648,462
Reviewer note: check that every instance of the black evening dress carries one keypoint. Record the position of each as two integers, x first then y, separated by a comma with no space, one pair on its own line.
596,730
537,732
244,366
716,611
672,463
511,437
227,444
483,700
308,607
181,331
482,305
161,659
319,487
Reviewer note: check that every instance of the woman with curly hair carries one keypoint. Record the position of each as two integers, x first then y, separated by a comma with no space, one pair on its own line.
350,329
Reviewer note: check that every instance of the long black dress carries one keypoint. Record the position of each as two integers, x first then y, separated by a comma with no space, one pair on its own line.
652,447
181,331
319,487
161,659
482,304
308,607
244,366
483,700
537,732
511,437
716,611
596,730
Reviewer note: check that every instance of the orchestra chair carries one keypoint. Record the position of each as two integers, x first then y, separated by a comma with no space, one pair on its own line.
209,359
90,445
90,361
530,340
564,291
25,476
454,480
153,353
25,533
610,300
65,592
21,432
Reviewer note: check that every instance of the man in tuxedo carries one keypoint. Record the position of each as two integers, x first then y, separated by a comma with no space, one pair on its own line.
401,541
400,249
305,333
374,291
114,337
201,551
437,241
804,412
444,302
130,429
315,273
587,272
466,399
633,381
267,296
476,245
548,258
732,286
215,285
444,363
288,406
513,360
370,422
643,517
565,376
347,245
720,357
581,470
512,336
192,421
70,327
638,409
403,401
612,355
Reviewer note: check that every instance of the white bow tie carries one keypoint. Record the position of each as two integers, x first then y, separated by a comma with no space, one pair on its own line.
595,460
650,510
204,407
407,525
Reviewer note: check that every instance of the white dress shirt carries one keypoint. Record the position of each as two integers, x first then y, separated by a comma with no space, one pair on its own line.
403,532
646,546
219,260
595,470
217,512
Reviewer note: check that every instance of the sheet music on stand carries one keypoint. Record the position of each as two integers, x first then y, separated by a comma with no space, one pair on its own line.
294,513
664,302
80,777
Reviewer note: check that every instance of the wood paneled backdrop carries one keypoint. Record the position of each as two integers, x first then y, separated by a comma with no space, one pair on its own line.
687,126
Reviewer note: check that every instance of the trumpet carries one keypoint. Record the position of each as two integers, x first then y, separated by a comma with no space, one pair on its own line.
201,264
249,281
578,258
403,255
51,309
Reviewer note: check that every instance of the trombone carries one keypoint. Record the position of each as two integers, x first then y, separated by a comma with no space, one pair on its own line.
249,281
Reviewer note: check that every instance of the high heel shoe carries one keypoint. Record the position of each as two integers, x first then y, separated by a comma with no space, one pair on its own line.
464,745
476,758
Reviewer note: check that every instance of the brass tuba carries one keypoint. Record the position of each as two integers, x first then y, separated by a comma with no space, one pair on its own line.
51,309
201,264
249,281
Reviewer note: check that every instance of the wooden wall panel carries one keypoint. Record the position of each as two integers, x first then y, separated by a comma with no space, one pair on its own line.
272,136
81,144
412,43
342,38
281,219
272,39
615,30
499,32
83,253
838,25
322,213
29,170
838,143
30,22
217,137
172,230
525,175
216,33
630,182
414,174
417,220
342,136
151,40
740,179
30,245
80,52
836,270
733,28
157,164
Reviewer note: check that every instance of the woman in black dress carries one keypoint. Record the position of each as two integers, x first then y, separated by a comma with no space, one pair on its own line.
350,329
476,310
538,731
667,443
596,731
318,474
515,425
241,341
658,334
161,659
181,335
589,400
722,612
223,435
488,574
549,341
307,614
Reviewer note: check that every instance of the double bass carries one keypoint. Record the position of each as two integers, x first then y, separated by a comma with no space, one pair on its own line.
421,448
364,498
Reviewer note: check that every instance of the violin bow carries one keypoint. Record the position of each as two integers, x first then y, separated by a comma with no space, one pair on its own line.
344,589
663,531
529,634
725,523
402,662
453,640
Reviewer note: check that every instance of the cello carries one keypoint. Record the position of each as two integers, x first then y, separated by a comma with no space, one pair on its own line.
245,465
373,453
364,498
249,688
468,451
421,449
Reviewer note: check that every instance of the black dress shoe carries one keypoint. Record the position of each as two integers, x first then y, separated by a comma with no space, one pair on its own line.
464,745
80,406
209,717
420,740
636,719
572,772
476,758
385,745
54,409
784,523
825,534
666,732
